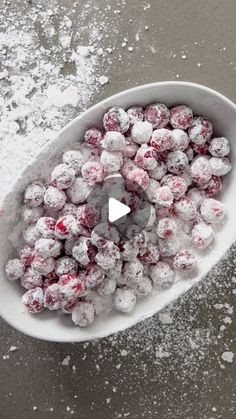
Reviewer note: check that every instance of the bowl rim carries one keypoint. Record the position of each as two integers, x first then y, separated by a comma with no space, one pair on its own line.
103,104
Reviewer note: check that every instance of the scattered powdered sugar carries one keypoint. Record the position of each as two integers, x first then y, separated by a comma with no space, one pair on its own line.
227,356
44,83
66,361
103,80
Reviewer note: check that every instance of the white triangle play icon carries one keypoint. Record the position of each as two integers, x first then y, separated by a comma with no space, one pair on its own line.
116,210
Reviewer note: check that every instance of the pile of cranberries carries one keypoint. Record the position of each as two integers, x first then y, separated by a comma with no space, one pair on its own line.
74,260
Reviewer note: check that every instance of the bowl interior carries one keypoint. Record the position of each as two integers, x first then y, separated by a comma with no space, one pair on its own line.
56,327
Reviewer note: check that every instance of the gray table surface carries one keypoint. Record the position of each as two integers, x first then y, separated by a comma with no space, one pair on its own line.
171,366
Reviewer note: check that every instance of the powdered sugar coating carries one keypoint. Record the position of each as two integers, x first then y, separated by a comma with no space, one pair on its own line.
102,233
54,198
137,179
66,227
62,176
128,165
219,147
177,162
111,161
71,287
162,139
151,190
34,194
88,216
79,191
157,114
133,270
162,275
74,159
142,286
184,260
166,227
14,269
196,196
186,175
107,256
185,209
33,300
45,227
93,138
93,172
169,247
145,158
141,238
31,215
149,254
27,254
164,196
115,272
31,279
94,276
83,314
220,166
212,211
130,148
124,300
159,171
116,119
48,248
107,287
31,234
65,265
180,140
113,141
202,235
135,114
176,184
213,187
201,170
200,130
128,250
83,251
42,266
181,116
53,298
141,132
68,209
68,305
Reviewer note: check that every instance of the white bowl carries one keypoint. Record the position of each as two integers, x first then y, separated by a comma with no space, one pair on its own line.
54,327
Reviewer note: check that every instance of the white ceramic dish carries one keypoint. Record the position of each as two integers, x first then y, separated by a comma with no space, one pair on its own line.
53,327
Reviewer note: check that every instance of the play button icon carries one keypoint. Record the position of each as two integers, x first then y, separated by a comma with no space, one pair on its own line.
116,210
119,206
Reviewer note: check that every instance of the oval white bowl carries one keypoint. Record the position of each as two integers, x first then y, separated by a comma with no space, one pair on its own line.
53,327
